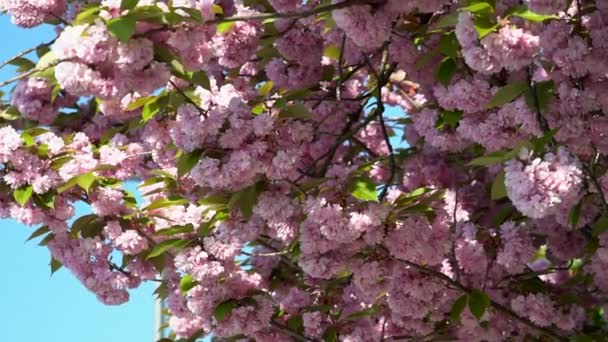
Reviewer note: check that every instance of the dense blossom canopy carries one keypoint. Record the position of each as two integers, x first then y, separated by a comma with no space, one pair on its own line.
283,198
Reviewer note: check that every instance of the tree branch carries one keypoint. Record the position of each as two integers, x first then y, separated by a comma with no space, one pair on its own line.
292,14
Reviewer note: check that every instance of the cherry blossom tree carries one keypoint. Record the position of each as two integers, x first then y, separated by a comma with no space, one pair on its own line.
279,203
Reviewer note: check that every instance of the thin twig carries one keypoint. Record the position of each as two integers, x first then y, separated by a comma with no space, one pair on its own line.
495,305
25,52
284,329
187,98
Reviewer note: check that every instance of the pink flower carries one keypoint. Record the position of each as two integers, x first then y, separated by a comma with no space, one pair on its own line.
541,187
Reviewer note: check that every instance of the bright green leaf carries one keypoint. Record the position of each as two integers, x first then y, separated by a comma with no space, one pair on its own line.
224,27
23,194
87,15
492,158
223,310
363,188
507,94
122,27
85,181
484,26
165,246
522,11
166,202
265,88
332,52
187,283
479,8
150,109
189,228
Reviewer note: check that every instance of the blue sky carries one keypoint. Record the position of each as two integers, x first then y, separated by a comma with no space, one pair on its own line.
38,307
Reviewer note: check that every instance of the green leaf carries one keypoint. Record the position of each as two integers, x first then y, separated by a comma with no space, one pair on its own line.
484,26
507,94
363,313
165,246
446,70
22,64
449,119
575,214
28,140
492,158
458,307
330,335
296,111
187,161
538,144
128,4
23,194
363,188
247,198
85,181
187,283
600,226
189,228
448,45
258,109
87,15
122,27
447,20
140,102
332,52
10,114
499,190
296,323
45,241
224,27
265,88
479,8
151,108
522,11
166,202
200,78
38,232
539,96
223,309
55,265
46,200
478,303
82,222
